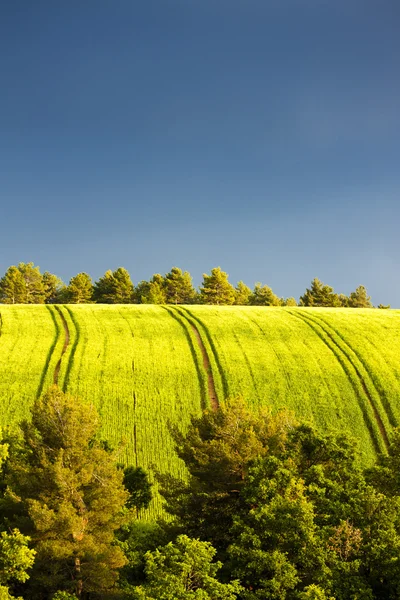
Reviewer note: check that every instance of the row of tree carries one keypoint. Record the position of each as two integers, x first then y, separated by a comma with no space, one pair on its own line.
24,284
270,510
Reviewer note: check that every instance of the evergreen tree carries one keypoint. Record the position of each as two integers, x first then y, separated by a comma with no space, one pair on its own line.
216,288
12,287
360,298
66,493
34,288
153,291
263,296
80,289
319,294
289,302
114,288
243,294
22,285
53,288
178,287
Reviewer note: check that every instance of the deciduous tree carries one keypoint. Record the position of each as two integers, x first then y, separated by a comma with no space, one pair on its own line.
184,571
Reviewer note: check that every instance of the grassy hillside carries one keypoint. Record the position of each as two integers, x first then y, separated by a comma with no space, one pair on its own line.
146,365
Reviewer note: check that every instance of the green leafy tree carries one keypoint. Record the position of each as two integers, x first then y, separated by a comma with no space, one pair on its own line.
178,287
383,306
319,294
243,294
360,298
184,571
115,287
54,288
263,296
216,288
66,493
15,560
80,289
137,484
217,451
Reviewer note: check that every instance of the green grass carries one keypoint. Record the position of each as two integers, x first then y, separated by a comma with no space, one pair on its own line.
142,366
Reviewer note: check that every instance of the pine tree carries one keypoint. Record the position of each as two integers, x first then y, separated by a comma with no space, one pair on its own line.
80,289
53,288
114,288
360,298
66,493
243,293
178,287
216,288
319,294
34,288
12,287
264,296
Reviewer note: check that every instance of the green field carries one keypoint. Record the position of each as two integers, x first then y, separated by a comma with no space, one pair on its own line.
144,366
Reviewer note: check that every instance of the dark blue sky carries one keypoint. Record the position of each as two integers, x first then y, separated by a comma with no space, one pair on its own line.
259,135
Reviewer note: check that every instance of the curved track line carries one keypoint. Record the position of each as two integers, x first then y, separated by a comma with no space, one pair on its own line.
65,346
212,393
50,352
73,348
378,419
186,314
385,403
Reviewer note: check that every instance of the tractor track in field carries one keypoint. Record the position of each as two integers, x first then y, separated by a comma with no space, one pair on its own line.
385,404
212,393
65,346
344,352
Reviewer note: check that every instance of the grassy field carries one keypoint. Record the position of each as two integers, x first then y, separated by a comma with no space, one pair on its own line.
144,366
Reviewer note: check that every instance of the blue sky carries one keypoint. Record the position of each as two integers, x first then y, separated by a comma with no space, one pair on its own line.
262,136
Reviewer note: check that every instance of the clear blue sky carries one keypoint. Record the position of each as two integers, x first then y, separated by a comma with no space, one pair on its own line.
262,136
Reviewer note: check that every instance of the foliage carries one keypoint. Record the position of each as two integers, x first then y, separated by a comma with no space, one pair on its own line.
15,559
65,492
216,288
243,293
178,287
80,289
182,571
54,288
136,482
263,296
217,451
319,294
114,288
22,285
360,298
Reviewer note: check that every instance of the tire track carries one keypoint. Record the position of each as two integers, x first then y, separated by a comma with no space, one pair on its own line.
348,365
50,352
381,394
65,346
73,348
204,390
194,322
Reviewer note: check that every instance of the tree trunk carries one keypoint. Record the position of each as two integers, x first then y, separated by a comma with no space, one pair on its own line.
79,582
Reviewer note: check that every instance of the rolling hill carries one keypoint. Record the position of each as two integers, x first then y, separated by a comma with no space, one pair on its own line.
145,365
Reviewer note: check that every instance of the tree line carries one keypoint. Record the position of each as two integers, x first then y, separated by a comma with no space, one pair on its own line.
25,284
271,509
